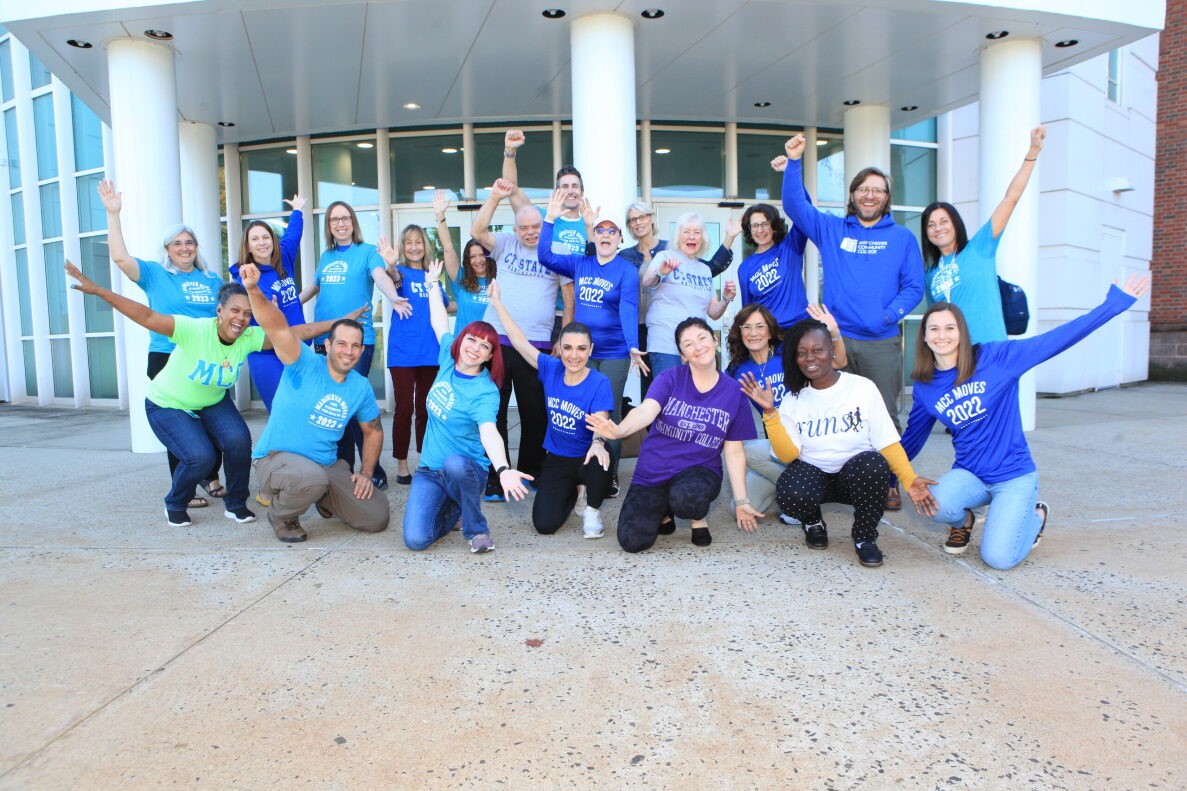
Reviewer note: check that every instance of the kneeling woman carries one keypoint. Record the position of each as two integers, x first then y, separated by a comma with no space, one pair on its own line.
698,414
835,436
461,434
575,457
973,391
188,405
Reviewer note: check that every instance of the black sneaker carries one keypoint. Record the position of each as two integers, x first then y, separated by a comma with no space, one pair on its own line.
1046,509
177,518
958,537
240,515
816,536
615,489
868,553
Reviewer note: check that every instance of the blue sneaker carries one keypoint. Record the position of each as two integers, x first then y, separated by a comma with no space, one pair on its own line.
494,493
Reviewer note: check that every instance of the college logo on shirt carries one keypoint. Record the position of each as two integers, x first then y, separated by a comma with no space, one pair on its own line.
695,282
688,422
440,400
205,372
197,293
330,412
528,267
566,416
863,247
970,407
592,290
334,273
946,278
571,239
767,276
285,290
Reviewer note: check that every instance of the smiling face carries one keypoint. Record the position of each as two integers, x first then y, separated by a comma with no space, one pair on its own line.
234,316
814,356
761,231
343,349
527,226
183,251
870,198
606,237
641,225
260,243
472,353
477,260
756,335
690,239
941,231
941,333
571,191
576,347
341,225
413,246
698,347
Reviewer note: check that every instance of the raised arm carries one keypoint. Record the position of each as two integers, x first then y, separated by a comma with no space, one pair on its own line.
290,243
717,306
797,204
1001,215
640,417
448,252
480,229
269,317
114,203
142,314
438,315
821,314
387,286
511,145
724,256
514,333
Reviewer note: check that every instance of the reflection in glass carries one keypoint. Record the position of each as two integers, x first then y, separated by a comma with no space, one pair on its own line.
51,210
533,163
756,180
830,172
923,132
92,216
59,355
43,134
6,91
30,367
422,165
95,264
18,218
101,368
39,75
269,176
55,288
693,167
88,136
24,299
13,149
345,172
914,173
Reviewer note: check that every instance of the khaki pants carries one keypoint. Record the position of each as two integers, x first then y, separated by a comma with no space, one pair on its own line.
294,483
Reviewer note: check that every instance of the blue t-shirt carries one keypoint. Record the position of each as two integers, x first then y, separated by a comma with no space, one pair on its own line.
968,279
283,290
457,404
411,341
607,297
775,279
982,412
193,294
471,306
345,278
311,410
770,372
567,406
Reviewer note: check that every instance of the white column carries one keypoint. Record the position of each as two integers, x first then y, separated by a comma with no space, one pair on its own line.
309,251
867,139
603,54
558,148
198,156
233,186
144,134
1011,73
387,229
731,160
645,161
811,254
469,160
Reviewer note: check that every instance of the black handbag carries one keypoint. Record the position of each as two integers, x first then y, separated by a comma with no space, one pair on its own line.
1014,308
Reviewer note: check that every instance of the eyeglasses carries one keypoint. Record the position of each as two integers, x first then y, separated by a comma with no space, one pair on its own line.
183,243
753,327
876,192
760,226
637,219
340,221
606,231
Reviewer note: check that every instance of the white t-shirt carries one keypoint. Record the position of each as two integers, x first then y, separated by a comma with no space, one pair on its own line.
833,425
527,289
686,291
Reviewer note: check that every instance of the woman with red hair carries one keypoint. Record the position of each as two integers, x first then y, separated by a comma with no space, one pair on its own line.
461,435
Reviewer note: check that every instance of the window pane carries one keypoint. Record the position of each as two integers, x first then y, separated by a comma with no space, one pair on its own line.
924,132
345,172
88,136
51,210
55,288
830,172
269,176
693,167
418,163
43,128
368,227
38,74
14,149
914,173
101,368
18,218
755,178
22,291
533,164
59,353
91,214
97,314
30,368
6,93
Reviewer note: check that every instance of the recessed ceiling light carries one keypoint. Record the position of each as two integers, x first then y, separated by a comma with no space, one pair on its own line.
159,35
411,106
663,150
365,145
449,151
822,142
909,108
292,151
651,13
995,35
429,187
74,42
227,124
1067,42
552,13
762,104
851,102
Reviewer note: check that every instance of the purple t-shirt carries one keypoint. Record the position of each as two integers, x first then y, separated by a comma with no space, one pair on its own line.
691,426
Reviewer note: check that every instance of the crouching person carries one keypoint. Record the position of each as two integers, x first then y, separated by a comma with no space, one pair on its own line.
296,458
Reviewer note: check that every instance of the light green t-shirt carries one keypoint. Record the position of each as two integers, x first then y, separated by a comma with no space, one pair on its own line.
201,368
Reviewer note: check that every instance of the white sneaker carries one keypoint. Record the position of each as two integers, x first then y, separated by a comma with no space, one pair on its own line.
579,508
592,523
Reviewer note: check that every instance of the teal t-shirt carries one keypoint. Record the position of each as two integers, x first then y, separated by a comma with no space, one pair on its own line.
968,280
311,410
202,368
345,282
471,307
193,293
457,405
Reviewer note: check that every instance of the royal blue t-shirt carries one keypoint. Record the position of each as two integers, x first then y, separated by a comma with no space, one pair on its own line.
457,404
568,405
311,410
775,279
411,341
193,294
344,276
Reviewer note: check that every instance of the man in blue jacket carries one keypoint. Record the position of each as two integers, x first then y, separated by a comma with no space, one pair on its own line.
873,275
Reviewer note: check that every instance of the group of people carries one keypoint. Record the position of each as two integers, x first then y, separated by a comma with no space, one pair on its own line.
558,311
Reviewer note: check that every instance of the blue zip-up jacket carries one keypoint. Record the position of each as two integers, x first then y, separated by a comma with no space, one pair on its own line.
873,277
607,297
982,412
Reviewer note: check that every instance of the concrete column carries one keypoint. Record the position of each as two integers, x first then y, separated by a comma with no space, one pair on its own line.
198,156
867,139
731,160
383,153
144,134
811,254
558,148
603,53
232,177
1011,73
309,251
469,163
645,161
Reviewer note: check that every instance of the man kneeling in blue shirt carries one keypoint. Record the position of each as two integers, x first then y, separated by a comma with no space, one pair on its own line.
296,458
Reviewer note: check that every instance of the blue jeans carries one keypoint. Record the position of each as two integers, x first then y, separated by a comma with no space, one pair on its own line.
661,361
439,497
1011,524
195,439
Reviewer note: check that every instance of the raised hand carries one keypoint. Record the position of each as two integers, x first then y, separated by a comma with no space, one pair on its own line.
249,274
502,188
440,203
758,392
795,147
1136,285
389,254
556,204
84,284
492,293
356,314
588,212
1037,136
820,313
734,226
779,164
433,270
297,202
513,139
112,201
730,291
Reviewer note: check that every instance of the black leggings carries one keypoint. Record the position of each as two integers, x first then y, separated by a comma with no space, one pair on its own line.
156,361
861,482
556,489
688,495
522,376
